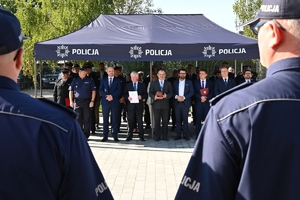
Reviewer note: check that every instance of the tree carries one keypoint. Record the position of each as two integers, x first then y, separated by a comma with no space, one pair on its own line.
246,10
134,7
46,19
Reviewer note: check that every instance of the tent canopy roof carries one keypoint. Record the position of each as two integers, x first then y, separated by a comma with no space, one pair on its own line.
149,37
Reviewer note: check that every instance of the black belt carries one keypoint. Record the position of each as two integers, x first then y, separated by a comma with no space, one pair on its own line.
86,99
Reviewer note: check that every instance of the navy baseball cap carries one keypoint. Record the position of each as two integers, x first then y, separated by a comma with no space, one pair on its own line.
11,37
83,68
276,9
65,70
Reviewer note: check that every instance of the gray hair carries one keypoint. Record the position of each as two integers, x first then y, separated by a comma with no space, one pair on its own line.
293,25
134,73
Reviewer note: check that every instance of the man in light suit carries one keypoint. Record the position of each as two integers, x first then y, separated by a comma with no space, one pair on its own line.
135,110
202,98
111,91
161,104
183,91
223,84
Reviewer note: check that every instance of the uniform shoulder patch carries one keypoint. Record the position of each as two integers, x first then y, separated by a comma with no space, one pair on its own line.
216,99
61,107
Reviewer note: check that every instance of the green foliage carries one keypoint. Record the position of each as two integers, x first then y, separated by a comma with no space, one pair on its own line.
46,19
246,10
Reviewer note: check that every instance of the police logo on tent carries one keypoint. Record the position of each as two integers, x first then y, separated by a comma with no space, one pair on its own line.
209,51
135,52
62,51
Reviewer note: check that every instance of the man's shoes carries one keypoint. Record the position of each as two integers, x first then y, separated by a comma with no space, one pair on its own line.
116,139
93,133
142,139
104,139
173,128
128,138
148,127
156,139
186,138
124,120
177,137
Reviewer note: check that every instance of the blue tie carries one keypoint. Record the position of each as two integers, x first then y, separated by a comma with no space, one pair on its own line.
134,86
161,85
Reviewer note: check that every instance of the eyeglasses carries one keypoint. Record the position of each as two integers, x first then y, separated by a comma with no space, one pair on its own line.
256,28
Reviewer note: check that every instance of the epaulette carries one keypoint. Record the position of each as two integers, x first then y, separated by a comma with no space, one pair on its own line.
59,106
217,98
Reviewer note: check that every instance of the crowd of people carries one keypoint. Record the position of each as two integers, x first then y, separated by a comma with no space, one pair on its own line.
137,100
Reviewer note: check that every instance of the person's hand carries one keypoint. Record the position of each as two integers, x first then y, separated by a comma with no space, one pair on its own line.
91,104
164,96
71,104
140,97
203,99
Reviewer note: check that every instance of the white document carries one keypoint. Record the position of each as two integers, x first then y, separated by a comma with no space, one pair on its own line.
135,97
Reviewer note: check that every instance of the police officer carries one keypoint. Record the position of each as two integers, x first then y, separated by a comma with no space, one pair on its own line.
82,96
250,148
61,89
44,154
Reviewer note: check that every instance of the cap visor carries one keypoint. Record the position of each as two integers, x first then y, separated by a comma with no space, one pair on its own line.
251,22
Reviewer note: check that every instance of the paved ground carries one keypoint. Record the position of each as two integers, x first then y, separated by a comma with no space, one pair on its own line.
140,170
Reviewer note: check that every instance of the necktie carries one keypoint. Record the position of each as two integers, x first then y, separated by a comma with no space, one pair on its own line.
161,85
225,81
202,84
110,82
134,86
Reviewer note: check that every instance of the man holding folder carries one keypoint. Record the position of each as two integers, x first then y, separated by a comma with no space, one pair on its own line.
203,93
135,93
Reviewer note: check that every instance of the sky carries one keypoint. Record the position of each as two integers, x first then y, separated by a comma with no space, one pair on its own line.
218,11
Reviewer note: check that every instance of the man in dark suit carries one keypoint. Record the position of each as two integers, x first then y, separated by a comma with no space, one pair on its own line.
203,93
247,77
111,91
223,84
135,110
161,92
183,92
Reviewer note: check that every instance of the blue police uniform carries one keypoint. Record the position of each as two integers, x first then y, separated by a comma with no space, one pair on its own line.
83,89
248,147
44,154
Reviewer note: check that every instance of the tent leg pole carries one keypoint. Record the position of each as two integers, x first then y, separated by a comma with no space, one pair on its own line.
151,117
35,82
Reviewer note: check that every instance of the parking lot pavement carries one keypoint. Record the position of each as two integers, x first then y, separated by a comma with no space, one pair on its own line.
139,170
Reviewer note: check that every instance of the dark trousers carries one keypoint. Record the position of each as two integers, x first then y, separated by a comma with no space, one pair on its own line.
135,116
161,123
181,111
172,115
115,117
147,115
201,113
84,115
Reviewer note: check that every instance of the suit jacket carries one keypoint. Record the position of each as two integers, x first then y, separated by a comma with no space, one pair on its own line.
197,88
167,89
115,91
141,90
188,92
219,86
